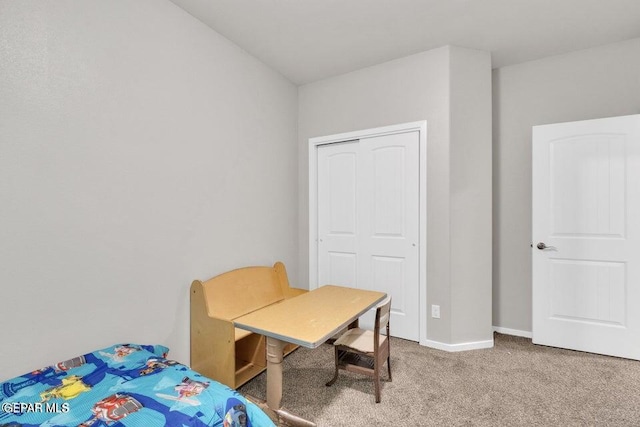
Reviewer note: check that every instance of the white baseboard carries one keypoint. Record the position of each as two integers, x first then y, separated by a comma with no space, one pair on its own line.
515,332
477,345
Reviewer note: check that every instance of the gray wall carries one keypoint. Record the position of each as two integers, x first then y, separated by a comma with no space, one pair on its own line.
139,150
470,189
587,84
413,88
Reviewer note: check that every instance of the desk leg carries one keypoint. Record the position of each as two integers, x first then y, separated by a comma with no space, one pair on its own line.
275,352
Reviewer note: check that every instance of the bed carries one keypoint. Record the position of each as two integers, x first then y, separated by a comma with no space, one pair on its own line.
123,385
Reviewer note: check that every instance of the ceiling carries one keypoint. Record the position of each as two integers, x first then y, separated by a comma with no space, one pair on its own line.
308,40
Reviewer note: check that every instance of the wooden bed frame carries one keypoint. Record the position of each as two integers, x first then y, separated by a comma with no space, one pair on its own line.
219,350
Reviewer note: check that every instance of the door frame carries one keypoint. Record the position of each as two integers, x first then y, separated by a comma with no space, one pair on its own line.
315,143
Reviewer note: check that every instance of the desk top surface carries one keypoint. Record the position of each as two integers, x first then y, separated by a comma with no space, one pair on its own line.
311,318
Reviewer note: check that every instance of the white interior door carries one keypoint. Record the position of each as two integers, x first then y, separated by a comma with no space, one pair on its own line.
368,218
586,236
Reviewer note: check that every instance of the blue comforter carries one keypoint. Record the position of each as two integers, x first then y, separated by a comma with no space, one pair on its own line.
123,385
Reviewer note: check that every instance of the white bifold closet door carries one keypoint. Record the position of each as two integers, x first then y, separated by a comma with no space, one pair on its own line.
586,236
368,207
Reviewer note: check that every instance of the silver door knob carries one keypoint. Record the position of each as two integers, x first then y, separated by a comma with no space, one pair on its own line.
541,246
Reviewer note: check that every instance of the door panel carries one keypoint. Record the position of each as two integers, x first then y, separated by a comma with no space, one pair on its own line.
591,169
368,217
342,269
341,176
588,291
389,226
388,270
387,172
337,213
586,207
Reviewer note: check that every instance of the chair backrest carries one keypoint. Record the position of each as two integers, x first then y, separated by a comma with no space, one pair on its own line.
383,310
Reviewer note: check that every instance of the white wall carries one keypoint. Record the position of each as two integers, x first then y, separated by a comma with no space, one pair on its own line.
587,84
139,150
413,88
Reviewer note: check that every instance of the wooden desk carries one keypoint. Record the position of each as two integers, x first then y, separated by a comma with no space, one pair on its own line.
307,320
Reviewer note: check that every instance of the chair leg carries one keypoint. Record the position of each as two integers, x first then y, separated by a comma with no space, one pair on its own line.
376,379
389,360
335,375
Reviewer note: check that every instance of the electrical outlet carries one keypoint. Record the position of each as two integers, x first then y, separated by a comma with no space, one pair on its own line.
435,311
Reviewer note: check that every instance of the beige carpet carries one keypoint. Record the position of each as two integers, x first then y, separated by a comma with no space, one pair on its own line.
515,383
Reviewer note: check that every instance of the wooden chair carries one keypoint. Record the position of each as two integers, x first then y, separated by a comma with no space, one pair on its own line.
364,351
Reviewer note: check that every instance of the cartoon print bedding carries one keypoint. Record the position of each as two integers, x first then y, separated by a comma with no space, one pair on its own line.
124,385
